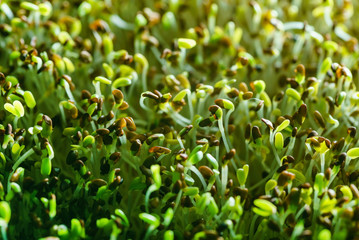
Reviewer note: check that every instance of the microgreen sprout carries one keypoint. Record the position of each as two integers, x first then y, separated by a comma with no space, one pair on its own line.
179,120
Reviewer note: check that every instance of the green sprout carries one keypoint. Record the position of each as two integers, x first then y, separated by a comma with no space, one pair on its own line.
179,120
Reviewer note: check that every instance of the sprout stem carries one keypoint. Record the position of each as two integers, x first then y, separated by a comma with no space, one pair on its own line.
221,129
224,178
180,142
189,96
322,162
183,58
17,164
199,175
144,78
271,140
178,199
151,189
252,226
3,232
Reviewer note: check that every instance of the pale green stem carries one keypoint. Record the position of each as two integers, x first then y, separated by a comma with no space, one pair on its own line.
178,199
144,78
17,164
226,122
334,174
221,129
16,119
98,89
62,114
180,142
252,226
300,212
183,58
322,162
149,231
199,175
3,232
189,96
224,178
143,105
151,189
68,92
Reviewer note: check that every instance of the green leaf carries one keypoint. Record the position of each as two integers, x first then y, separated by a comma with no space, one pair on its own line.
108,69
123,216
347,192
156,175
326,65
15,187
45,9
283,125
259,86
228,104
212,160
327,205
191,191
121,82
264,207
353,153
150,219
29,6
5,211
270,185
180,96
279,141
186,43
319,183
102,222
196,157
169,235
76,228
84,8
29,99
50,151
19,108
212,207
298,175
103,80
16,150
293,94
88,140
141,60
168,216
46,167
324,234
242,174
107,46
137,184
52,206
10,108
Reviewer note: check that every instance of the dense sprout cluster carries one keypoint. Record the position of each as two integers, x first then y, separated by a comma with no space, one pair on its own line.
179,119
